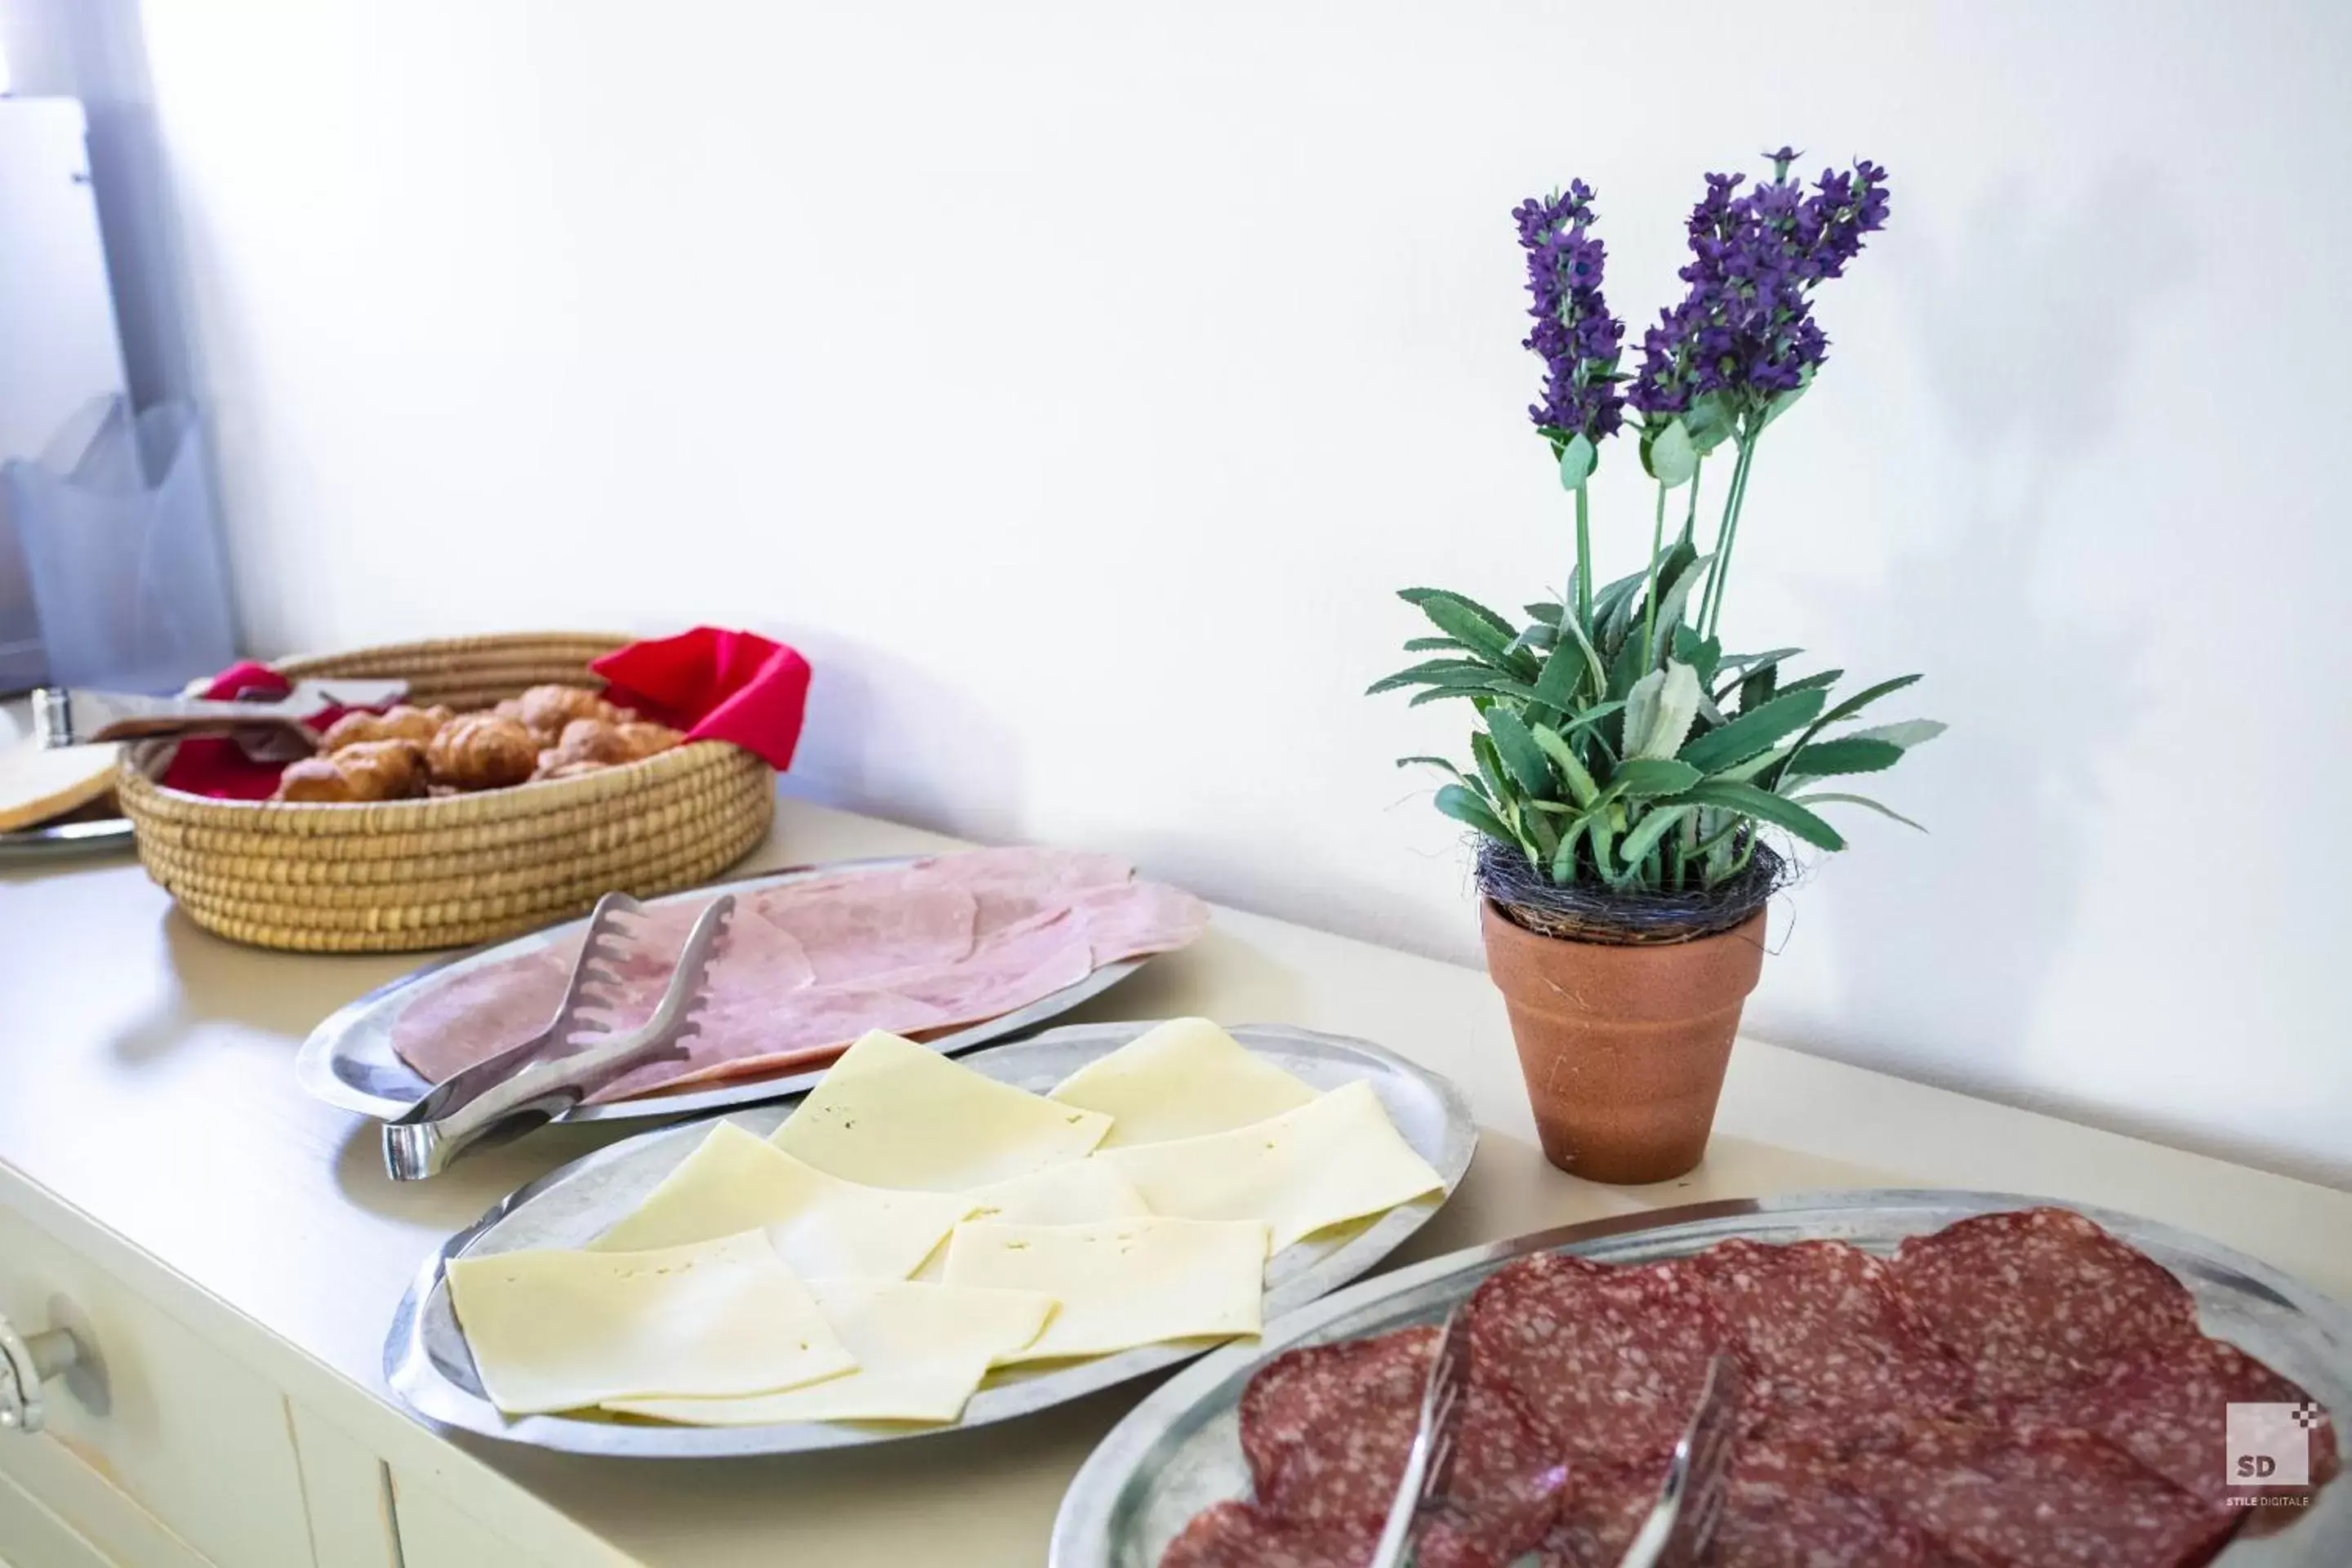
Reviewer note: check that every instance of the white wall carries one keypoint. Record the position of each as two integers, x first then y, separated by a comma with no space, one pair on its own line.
1074,382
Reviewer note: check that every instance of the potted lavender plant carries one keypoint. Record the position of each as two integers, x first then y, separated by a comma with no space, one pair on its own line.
1628,775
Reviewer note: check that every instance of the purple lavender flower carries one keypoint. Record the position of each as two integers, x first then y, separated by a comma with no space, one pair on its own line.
1574,332
1745,327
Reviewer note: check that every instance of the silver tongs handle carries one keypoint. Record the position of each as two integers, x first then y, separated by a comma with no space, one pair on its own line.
433,1133
79,716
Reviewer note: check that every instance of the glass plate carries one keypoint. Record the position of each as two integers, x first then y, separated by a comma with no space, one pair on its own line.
1179,1450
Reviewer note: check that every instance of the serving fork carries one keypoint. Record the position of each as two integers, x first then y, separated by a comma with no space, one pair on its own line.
547,1075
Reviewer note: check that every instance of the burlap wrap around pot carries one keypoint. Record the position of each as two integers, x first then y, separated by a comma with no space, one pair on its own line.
1623,1048
401,876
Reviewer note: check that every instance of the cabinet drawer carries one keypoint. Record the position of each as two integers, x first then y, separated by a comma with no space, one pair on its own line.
159,1449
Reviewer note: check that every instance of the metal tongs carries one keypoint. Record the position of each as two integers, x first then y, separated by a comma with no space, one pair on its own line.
271,727
547,1075
1431,1461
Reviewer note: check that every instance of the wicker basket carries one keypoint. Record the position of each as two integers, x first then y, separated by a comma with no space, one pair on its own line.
399,876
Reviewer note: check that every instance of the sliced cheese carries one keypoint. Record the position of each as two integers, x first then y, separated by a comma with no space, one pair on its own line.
822,1227
921,1350
558,1330
1120,1283
1336,1158
1182,1079
1073,1193
891,1113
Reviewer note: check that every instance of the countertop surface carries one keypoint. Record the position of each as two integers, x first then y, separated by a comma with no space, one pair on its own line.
150,1086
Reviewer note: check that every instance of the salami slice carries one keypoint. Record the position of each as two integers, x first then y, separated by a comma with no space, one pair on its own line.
1236,1535
1599,1510
1326,1431
2044,1499
1610,1359
1789,1520
2037,1299
2168,1406
1820,1324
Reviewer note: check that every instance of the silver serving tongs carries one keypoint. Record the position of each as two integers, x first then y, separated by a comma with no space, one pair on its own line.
1690,1502
543,1077
1427,1467
77,716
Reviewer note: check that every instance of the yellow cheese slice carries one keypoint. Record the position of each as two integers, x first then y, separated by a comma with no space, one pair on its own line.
1075,1192
921,1350
1180,1079
1336,1158
555,1330
38,783
822,1227
891,1113
1123,1282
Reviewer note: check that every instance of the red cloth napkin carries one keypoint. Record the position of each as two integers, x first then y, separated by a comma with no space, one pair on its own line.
714,684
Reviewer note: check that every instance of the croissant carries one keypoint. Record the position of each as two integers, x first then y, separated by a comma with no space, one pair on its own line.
590,744
481,751
367,770
546,710
401,723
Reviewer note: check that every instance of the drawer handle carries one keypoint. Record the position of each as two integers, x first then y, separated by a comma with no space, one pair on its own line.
25,1362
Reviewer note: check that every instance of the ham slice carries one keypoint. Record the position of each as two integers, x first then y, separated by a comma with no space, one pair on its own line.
806,967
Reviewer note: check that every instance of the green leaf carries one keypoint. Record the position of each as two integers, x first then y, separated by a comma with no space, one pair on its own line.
1613,606
1710,421
1787,400
1430,671
1627,668
1757,688
1564,671
1490,764
1520,752
1592,657
1863,699
1572,767
1563,860
1848,755
1644,777
1747,800
1671,456
1668,722
1672,600
1545,612
1451,771
1493,686
1576,460
1702,653
1828,798
1820,682
1463,619
1752,731
1651,828
1434,645
1464,808
1906,733
1642,710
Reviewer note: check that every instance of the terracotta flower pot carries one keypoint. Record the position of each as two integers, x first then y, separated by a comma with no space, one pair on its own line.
1623,1047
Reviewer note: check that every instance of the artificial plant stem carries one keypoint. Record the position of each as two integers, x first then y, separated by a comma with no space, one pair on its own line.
1690,518
1584,562
1649,591
1725,536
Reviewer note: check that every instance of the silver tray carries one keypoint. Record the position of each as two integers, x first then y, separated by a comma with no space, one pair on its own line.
427,1365
348,1061
65,840
1179,1450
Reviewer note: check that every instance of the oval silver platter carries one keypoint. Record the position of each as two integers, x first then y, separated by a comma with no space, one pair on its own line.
349,1060
1179,1450
426,1363
65,841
